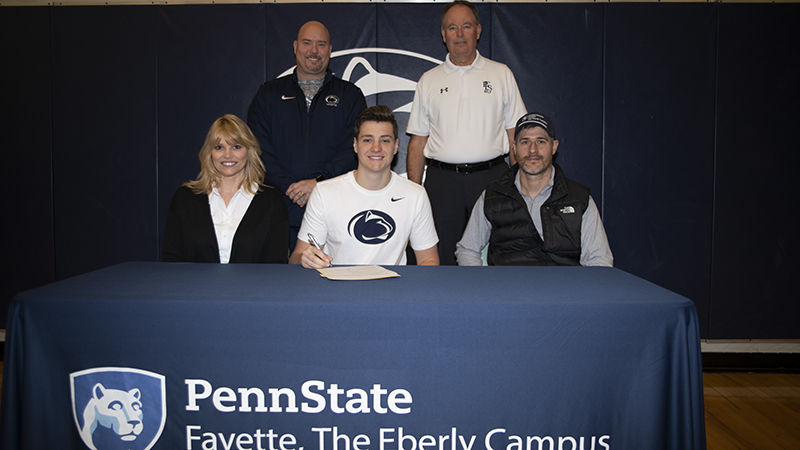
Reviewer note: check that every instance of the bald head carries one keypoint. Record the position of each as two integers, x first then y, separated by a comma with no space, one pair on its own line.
313,26
312,50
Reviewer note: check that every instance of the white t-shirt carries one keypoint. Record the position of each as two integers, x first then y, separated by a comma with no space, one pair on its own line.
466,110
355,225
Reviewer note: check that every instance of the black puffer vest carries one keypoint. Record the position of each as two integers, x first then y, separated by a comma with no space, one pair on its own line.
514,240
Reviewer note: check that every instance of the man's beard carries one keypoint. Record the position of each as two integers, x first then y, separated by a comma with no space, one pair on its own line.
535,172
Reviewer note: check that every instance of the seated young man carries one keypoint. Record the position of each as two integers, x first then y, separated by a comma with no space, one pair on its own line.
369,215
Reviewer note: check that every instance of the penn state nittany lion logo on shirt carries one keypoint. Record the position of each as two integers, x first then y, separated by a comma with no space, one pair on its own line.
118,408
371,227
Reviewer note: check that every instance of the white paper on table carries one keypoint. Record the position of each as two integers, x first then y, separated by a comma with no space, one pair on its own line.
356,273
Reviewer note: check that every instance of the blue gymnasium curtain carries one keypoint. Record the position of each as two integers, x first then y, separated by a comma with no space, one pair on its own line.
556,54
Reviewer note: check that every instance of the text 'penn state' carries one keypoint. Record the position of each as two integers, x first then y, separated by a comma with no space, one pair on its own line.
315,397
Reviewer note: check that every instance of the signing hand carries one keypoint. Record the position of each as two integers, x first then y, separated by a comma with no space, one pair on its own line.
309,256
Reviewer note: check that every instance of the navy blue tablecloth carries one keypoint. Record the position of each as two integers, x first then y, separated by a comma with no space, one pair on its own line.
484,358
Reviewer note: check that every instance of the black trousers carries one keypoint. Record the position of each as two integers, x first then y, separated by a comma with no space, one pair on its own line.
452,197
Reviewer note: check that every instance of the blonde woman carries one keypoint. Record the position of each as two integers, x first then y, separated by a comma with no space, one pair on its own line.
227,214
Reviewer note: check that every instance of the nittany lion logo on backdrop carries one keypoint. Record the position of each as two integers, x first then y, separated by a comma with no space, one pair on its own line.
371,227
118,408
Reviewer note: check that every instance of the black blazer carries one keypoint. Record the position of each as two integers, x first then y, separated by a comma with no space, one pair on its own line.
189,235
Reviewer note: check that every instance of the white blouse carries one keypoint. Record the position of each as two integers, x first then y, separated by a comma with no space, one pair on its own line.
226,218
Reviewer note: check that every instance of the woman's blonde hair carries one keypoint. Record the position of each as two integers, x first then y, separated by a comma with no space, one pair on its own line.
235,131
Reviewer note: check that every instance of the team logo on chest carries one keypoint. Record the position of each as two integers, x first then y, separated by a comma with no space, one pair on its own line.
332,100
371,227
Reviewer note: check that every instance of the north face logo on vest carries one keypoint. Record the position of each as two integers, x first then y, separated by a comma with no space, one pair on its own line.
118,408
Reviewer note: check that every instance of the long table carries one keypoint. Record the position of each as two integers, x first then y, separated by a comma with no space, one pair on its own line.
200,356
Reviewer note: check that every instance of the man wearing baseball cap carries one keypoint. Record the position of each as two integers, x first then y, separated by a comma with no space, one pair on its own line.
534,214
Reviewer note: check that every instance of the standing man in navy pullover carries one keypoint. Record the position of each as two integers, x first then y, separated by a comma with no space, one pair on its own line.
304,123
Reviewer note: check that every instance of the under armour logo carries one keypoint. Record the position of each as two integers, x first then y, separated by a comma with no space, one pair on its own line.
487,87
443,90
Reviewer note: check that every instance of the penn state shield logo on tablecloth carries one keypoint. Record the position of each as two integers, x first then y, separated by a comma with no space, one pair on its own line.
118,408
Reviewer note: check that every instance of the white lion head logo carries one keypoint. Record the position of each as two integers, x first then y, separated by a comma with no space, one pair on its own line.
120,411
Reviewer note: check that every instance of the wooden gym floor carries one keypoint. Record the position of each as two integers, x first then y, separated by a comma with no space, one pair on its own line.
759,411
752,410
